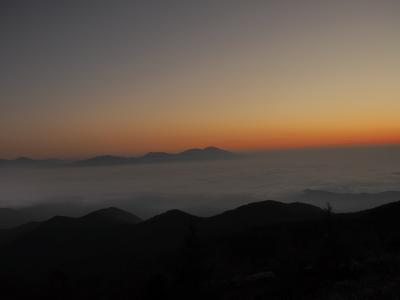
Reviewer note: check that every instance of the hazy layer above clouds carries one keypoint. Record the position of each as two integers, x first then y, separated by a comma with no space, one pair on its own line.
206,187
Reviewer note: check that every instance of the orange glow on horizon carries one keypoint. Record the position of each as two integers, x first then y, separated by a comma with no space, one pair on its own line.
244,140
258,77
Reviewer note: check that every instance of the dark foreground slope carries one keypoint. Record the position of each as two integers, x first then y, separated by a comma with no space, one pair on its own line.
265,250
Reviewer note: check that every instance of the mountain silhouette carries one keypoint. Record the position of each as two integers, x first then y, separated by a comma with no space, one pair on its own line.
272,211
208,153
174,224
104,217
266,248
262,213
174,215
157,156
12,217
103,160
112,215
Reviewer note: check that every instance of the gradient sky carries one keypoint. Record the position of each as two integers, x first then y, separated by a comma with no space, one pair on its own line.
80,78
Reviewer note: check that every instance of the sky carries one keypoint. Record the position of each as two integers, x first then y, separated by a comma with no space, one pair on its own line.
82,78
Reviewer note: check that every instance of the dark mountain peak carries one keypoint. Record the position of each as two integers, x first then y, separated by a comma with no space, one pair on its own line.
173,214
192,151
57,222
112,215
170,224
265,212
209,149
206,153
215,150
306,208
106,158
93,224
265,203
261,206
156,155
102,160
172,217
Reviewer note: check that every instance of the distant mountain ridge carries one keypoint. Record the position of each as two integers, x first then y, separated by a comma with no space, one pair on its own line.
340,202
161,227
175,224
29,162
208,153
344,201
195,154
112,215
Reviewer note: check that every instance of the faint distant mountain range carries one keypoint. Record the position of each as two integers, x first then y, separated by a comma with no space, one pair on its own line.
162,226
196,154
344,201
28,162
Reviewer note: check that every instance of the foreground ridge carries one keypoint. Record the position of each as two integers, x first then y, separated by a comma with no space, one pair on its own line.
250,251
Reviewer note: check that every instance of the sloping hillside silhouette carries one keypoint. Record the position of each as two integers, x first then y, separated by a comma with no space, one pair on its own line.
111,215
260,250
263,213
12,217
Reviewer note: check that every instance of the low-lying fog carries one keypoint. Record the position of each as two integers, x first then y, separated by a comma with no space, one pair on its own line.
205,188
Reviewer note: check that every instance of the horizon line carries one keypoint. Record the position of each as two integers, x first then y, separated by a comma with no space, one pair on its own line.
233,149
